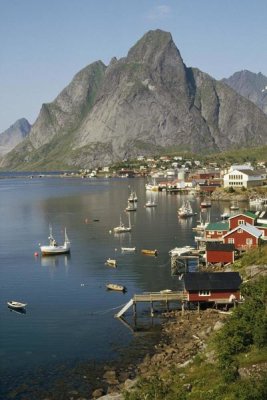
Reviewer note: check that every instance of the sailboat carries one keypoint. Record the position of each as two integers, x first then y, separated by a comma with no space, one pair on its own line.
186,210
122,228
53,248
133,197
132,206
151,202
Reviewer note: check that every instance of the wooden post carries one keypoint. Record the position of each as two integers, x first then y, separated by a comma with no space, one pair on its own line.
151,309
182,307
198,307
134,308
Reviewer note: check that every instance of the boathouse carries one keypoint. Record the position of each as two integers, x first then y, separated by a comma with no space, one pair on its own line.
216,287
222,253
247,217
244,237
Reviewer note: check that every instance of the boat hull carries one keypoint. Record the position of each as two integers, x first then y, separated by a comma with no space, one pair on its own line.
54,250
115,287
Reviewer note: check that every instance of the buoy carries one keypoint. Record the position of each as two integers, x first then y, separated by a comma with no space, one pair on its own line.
36,254
110,231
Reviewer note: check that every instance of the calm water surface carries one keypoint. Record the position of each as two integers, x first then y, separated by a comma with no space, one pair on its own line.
70,315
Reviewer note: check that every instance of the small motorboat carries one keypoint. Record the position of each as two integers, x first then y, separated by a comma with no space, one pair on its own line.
149,252
128,249
111,262
16,305
116,287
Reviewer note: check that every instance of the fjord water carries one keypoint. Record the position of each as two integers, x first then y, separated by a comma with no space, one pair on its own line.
70,314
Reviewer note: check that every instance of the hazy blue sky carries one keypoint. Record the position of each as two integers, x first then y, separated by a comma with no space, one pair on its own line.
43,43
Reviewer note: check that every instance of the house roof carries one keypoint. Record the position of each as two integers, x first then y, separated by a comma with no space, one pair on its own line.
248,228
248,172
212,281
218,226
217,246
249,214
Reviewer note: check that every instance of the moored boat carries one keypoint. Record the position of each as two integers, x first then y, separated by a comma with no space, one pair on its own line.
16,305
122,228
185,210
111,262
116,287
149,252
53,248
128,249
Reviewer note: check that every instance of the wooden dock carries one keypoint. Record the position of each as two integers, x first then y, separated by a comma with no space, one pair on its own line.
152,297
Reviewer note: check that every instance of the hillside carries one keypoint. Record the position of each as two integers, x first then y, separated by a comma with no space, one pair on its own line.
143,104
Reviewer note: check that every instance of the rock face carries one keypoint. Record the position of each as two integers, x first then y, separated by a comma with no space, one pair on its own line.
250,85
142,104
14,135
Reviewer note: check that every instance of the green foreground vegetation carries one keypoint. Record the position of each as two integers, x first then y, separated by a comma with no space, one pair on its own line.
238,367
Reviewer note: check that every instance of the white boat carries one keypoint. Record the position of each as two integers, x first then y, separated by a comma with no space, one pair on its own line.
234,206
154,187
206,203
16,304
111,262
122,228
256,202
133,197
116,287
128,249
54,248
181,251
131,206
151,203
186,210
225,215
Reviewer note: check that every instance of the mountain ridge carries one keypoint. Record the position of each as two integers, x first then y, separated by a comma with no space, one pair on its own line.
140,104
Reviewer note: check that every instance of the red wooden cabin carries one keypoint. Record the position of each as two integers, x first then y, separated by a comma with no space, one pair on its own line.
242,218
216,287
223,253
243,237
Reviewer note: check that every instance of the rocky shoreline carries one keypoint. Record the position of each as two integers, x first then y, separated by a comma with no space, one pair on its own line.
183,336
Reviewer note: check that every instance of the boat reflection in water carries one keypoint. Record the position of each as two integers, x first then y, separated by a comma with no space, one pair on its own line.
17,310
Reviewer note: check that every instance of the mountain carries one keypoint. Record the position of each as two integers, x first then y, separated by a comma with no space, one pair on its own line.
14,135
250,85
143,104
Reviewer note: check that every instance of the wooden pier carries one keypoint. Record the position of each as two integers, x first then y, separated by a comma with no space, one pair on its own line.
151,298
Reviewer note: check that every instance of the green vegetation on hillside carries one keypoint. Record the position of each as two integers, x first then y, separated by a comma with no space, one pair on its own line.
237,369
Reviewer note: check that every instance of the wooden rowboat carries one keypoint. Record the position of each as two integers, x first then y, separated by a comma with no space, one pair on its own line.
150,252
114,286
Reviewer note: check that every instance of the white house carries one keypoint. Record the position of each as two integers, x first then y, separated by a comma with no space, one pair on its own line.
243,178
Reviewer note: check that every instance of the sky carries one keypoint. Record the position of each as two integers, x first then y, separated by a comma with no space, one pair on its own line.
44,43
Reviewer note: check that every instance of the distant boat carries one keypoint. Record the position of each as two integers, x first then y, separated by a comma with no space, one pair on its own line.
122,228
116,287
53,248
234,206
111,262
151,203
185,210
132,206
152,186
225,215
181,251
149,252
205,203
133,197
128,249
16,305
256,201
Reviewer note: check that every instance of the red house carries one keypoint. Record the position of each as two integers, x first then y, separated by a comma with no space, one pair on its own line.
215,230
216,287
223,253
243,237
243,218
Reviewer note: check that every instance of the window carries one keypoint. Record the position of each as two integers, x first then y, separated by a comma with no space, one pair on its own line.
204,293
249,241
240,231
241,221
231,240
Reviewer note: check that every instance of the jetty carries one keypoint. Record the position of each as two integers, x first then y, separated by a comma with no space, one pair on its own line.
165,296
